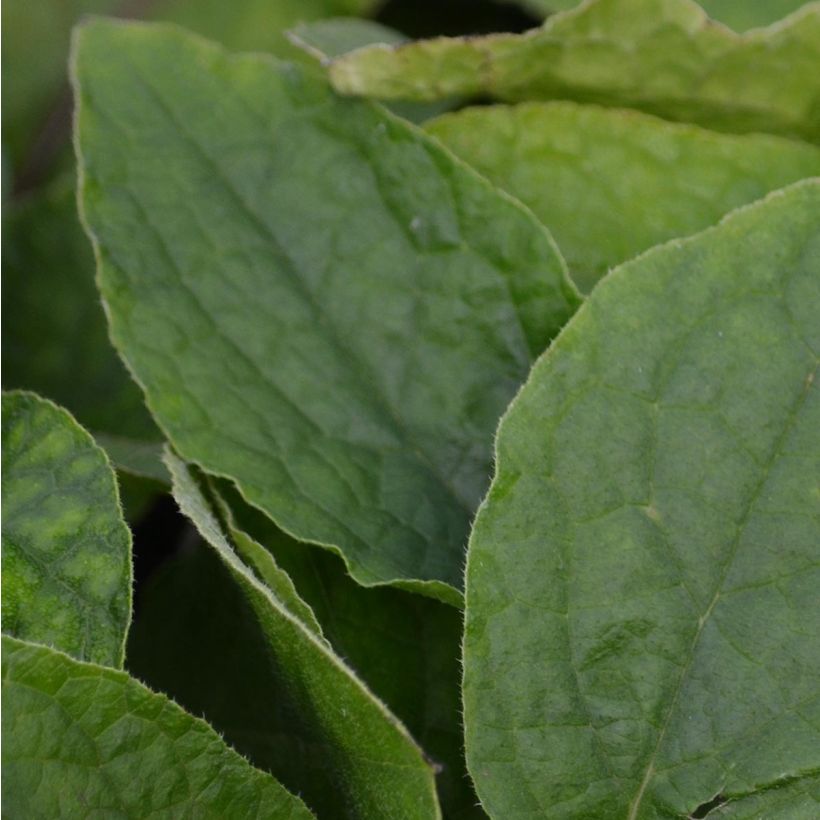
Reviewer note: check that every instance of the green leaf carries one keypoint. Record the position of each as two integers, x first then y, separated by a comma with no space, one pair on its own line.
362,762
609,183
405,647
742,15
66,549
81,740
55,339
138,458
642,629
739,15
661,56
320,302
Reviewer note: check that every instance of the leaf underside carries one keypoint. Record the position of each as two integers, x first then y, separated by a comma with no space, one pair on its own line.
664,57
642,629
325,735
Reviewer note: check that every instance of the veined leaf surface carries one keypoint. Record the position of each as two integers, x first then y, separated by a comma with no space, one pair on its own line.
81,740
664,57
320,302
642,628
360,760
66,548
610,184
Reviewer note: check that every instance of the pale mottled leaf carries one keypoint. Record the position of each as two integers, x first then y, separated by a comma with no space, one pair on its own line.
664,57
66,548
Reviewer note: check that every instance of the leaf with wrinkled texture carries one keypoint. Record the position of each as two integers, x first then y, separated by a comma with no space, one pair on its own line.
641,622
361,761
610,184
339,339
81,740
66,548
661,56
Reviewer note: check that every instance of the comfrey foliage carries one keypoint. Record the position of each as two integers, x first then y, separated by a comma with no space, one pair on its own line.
496,427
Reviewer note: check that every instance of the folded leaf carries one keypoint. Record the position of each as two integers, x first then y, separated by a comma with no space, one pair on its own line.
81,740
66,548
361,761
320,302
405,647
661,56
610,183
642,629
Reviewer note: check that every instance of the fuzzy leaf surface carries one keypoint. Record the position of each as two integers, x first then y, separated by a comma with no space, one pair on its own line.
82,740
664,57
609,184
642,629
337,746
320,302
66,548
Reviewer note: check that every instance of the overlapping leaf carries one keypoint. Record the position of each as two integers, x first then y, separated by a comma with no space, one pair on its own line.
664,57
319,730
66,548
642,630
319,301
81,740
610,184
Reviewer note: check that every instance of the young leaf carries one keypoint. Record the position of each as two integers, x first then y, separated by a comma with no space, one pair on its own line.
641,628
66,548
320,302
363,763
405,647
83,740
611,183
662,56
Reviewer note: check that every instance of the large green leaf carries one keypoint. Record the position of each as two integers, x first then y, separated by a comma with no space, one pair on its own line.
66,548
320,730
611,183
642,629
81,740
320,302
661,56
405,647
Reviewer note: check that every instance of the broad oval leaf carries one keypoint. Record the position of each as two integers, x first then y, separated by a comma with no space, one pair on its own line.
81,740
363,763
320,302
664,57
609,183
642,629
66,548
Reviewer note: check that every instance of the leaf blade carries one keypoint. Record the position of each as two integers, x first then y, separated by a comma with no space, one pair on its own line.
106,722
63,534
663,57
346,455
661,627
